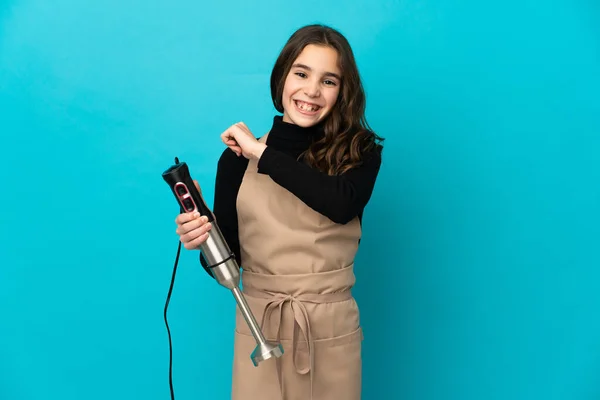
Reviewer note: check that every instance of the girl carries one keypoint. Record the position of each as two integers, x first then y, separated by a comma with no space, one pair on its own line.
290,206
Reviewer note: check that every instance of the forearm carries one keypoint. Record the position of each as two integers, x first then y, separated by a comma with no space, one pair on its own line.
230,171
340,198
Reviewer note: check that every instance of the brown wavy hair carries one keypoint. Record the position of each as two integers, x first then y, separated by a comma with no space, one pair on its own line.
347,135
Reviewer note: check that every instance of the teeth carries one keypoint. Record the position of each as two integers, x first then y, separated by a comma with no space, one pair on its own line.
306,107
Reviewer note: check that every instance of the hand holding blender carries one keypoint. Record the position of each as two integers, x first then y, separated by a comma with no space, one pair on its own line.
202,232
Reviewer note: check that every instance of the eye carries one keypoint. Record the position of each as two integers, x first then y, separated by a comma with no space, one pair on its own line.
329,82
301,74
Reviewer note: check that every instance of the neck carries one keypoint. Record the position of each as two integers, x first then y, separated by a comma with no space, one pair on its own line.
291,137
293,131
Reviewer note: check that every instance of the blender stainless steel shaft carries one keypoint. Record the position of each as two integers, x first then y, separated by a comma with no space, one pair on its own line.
221,260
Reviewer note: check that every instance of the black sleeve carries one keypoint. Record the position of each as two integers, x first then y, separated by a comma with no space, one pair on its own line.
340,198
230,171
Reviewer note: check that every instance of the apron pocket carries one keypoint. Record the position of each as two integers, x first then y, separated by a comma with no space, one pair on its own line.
338,367
250,382
336,374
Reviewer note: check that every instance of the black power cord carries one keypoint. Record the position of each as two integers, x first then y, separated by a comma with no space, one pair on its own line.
167,323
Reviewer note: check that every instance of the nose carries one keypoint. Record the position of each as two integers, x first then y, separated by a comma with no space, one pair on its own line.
312,88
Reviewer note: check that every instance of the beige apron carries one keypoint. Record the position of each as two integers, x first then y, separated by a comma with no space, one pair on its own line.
297,272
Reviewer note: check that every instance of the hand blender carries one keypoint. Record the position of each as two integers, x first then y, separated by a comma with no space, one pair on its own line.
221,260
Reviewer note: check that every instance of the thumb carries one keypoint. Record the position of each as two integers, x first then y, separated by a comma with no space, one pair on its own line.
198,187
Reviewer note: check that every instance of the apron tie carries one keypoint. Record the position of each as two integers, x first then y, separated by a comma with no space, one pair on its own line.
301,323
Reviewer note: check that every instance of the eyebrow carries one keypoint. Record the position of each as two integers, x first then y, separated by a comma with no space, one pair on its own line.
306,67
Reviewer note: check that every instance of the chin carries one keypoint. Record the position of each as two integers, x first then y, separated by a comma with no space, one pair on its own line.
305,123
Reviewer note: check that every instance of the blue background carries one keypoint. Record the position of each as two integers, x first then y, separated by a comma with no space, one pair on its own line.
478,272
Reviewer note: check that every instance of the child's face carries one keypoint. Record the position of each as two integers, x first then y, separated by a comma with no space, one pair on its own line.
312,86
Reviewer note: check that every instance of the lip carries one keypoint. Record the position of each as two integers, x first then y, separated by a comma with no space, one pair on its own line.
308,102
310,113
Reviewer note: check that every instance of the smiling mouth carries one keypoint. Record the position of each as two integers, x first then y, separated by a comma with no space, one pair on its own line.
306,107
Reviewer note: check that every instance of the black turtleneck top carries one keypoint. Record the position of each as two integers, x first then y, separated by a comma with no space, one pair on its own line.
340,198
